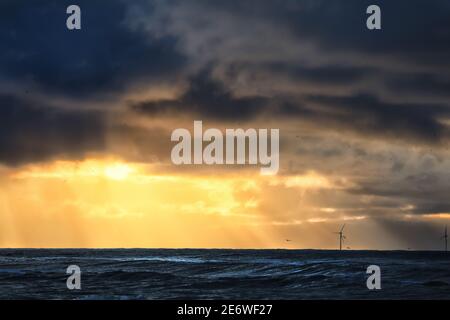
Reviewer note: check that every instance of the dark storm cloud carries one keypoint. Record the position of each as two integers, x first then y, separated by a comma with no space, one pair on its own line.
103,57
362,113
38,53
31,133
325,75
411,29
370,115
250,73
432,207
422,84
415,35
425,193
209,98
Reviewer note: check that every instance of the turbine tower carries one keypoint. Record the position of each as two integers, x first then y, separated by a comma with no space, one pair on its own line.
341,237
445,237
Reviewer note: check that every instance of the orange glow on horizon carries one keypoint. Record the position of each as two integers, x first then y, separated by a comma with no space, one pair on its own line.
111,203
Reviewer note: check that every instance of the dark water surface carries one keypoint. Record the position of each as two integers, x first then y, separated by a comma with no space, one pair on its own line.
222,274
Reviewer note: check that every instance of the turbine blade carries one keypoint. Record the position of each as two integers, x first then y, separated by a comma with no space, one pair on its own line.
342,229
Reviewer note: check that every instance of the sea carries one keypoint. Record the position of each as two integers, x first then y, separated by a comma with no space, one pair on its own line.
131,274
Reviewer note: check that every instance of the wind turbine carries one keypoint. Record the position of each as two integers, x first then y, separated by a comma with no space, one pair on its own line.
341,237
445,237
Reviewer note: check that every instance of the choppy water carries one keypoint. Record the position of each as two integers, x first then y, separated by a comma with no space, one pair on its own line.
222,274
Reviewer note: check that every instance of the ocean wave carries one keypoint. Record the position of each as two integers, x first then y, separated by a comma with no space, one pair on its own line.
222,274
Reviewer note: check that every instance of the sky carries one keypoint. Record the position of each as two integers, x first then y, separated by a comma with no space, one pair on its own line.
86,118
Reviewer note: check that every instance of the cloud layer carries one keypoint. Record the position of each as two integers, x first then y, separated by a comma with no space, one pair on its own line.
369,110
